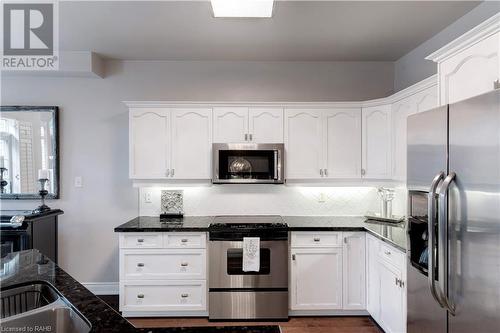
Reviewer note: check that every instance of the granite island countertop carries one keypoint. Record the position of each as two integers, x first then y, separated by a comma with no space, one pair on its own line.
394,234
22,267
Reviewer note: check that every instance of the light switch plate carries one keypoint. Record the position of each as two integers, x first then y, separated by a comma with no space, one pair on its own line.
147,197
78,181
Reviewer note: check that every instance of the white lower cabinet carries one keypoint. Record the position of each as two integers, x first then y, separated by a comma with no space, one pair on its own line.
386,285
316,279
353,271
151,297
163,274
327,271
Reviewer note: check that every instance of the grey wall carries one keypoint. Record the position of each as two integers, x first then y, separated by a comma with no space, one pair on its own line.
413,67
94,131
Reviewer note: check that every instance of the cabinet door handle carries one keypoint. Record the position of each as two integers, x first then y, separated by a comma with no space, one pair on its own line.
363,172
496,84
250,136
184,264
321,172
401,283
172,172
396,281
246,136
140,296
167,172
345,240
293,256
387,253
184,295
140,264
326,172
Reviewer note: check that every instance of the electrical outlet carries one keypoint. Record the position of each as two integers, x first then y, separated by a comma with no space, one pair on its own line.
322,197
78,181
147,197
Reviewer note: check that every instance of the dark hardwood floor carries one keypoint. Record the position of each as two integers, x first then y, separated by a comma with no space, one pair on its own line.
355,324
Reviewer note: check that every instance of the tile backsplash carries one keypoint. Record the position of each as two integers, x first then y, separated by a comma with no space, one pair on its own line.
272,199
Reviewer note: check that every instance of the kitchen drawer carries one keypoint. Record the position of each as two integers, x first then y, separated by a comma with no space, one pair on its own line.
141,240
391,255
163,264
317,239
176,240
163,296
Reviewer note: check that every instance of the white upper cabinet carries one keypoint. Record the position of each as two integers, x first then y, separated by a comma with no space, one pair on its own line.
342,128
230,124
191,143
354,271
469,65
323,143
423,100
170,143
376,142
244,124
426,99
303,143
265,125
400,112
149,143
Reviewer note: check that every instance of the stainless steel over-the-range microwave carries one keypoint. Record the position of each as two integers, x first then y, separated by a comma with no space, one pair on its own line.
248,163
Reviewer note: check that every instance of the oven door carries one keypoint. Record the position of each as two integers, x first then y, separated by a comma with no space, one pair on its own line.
226,262
248,163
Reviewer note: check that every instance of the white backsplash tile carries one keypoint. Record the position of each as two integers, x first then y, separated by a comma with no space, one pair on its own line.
273,199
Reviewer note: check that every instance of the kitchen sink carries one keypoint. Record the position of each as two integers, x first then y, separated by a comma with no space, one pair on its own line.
39,307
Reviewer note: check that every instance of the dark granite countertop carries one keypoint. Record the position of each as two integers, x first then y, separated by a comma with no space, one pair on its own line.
22,267
394,234
154,223
325,223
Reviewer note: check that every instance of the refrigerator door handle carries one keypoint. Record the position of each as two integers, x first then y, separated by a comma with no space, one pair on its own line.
431,244
443,241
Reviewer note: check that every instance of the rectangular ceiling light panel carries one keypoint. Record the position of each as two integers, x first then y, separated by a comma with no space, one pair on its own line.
242,8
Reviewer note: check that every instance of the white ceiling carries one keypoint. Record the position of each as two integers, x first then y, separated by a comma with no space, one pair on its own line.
299,30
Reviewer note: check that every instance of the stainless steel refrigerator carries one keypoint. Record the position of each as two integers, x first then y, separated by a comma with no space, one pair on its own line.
453,180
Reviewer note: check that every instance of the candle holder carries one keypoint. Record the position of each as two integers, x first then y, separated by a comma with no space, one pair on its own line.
43,193
3,182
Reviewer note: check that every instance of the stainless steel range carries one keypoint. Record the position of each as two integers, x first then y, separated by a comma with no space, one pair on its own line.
235,294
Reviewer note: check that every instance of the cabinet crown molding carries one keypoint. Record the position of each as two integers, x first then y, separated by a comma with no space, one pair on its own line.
476,34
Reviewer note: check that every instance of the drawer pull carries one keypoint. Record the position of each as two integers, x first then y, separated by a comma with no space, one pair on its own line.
184,295
387,253
140,240
140,264
184,240
317,239
140,296
184,264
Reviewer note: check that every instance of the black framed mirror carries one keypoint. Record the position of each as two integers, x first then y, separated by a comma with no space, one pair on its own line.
29,150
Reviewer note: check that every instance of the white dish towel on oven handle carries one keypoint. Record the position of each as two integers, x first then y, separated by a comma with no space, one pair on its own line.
251,254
